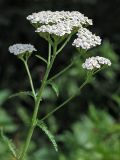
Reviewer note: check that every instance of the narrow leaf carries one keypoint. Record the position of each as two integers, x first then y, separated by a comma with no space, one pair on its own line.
22,93
44,128
43,59
9,144
55,88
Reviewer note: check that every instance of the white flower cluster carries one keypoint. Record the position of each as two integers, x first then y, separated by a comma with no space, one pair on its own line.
59,22
95,62
49,17
57,29
62,23
86,39
17,49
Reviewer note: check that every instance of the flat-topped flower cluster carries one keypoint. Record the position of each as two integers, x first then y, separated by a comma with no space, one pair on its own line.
62,23
95,62
19,48
86,39
49,17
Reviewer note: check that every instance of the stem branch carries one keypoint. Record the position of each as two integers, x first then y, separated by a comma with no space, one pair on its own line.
30,78
64,44
65,102
61,72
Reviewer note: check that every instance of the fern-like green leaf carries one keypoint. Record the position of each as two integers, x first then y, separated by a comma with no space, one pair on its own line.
9,144
44,128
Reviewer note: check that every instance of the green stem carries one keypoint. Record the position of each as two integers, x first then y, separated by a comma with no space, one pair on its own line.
41,58
65,69
37,104
61,72
49,54
67,40
65,102
98,70
30,78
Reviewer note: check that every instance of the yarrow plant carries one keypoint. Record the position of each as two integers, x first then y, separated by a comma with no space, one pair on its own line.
56,28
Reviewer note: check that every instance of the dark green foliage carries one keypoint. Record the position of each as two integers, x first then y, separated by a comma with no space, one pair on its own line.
95,137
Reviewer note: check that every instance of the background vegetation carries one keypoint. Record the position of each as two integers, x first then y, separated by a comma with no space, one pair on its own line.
88,128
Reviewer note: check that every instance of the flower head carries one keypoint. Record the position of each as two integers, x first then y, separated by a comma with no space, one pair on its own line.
59,22
95,63
86,39
59,29
17,49
49,17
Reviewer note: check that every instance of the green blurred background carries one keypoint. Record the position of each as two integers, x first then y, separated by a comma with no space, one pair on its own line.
88,128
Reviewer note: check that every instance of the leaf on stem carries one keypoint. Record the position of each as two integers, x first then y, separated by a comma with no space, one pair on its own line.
22,94
44,128
55,88
41,58
9,144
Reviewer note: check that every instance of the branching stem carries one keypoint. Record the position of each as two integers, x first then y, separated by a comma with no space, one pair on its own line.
65,102
37,105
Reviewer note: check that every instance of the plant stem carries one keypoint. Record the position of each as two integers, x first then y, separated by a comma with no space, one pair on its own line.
37,104
65,102
41,58
30,78
64,44
98,70
61,72
49,54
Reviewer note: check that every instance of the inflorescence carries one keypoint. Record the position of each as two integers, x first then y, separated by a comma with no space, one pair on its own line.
59,22
86,39
17,49
95,63
62,24
49,17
